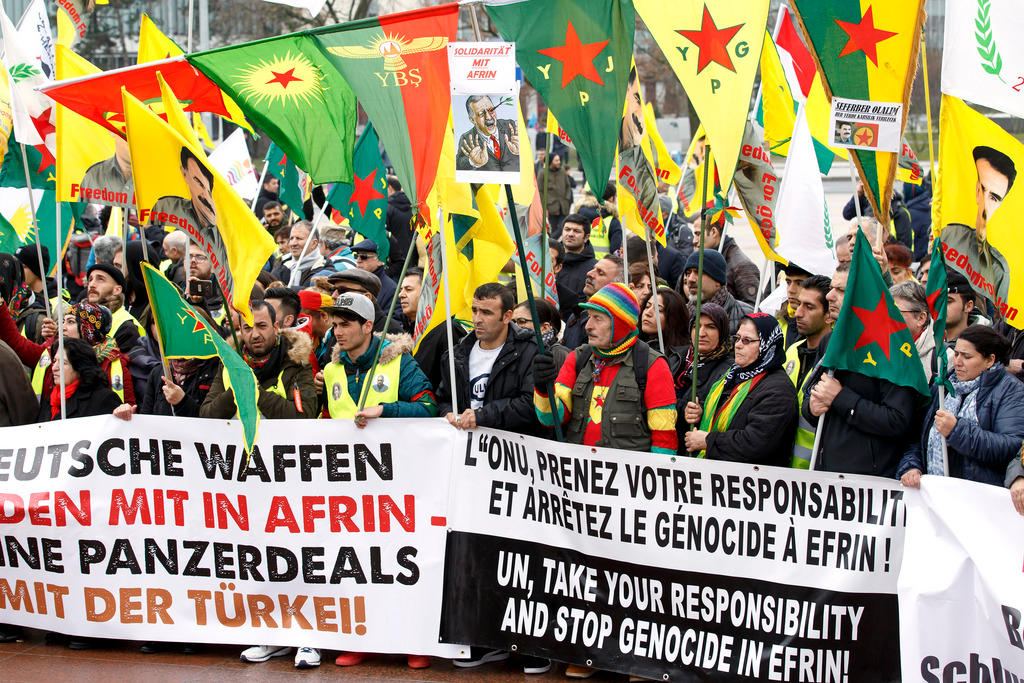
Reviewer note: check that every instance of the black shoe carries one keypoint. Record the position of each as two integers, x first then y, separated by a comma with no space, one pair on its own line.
152,647
54,638
191,648
535,665
83,643
480,655
10,634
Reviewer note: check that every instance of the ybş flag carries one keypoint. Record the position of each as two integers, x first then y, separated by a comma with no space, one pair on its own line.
364,203
576,54
870,336
183,333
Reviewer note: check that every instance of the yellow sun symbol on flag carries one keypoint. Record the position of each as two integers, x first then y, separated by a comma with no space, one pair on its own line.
289,77
21,221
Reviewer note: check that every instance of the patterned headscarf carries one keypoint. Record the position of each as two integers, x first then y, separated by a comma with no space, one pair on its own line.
771,353
93,322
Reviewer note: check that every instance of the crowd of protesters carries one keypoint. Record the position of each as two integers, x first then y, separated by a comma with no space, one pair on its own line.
629,361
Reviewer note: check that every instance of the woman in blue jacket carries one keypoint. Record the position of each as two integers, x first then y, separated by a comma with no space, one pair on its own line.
982,419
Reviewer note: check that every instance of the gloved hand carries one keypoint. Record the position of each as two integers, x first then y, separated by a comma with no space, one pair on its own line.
544,370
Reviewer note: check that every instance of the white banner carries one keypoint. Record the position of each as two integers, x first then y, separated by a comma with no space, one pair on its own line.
158,529
232,159
866,125
983,55
961,590
653,566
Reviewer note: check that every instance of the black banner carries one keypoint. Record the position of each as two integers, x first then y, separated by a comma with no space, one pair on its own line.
659,623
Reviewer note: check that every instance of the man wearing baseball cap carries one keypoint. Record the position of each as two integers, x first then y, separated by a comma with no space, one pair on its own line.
368,260
398,387
360,281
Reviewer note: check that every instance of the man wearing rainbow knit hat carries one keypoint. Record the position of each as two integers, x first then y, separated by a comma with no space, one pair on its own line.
614,391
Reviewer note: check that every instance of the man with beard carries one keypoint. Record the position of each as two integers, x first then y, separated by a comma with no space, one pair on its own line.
987,269
492,144
713,289
604,272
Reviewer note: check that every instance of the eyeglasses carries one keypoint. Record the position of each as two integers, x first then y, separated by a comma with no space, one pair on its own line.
198,257
362,255
522,322
738,339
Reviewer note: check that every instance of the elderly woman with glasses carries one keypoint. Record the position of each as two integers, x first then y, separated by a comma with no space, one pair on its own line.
750,414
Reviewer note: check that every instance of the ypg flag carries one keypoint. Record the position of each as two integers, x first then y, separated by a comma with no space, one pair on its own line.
937,292
291,91
866,50
364,203
398,66
576,54
93,164
870,336
183,333
713,47
176,187
636,181
977,206
98,97
290,188
982,60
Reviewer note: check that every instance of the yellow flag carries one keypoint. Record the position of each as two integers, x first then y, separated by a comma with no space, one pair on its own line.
664,166
555,128
91,161
636,183
778,114
6,118
690,189
977,205
177,188
713,47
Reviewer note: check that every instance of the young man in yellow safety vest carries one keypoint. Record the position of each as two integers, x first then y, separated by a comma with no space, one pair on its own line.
810,320
398,387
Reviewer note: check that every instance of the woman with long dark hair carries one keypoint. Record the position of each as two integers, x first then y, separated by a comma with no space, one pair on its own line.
675,326
86,388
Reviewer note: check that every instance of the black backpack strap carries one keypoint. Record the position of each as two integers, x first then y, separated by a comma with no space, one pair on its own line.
583,354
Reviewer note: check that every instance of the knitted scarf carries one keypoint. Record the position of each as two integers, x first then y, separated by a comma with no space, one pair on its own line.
962,402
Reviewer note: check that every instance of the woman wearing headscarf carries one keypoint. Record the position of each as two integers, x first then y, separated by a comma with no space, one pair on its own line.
750,414
712,351
981,420
675,326
86,321
86,391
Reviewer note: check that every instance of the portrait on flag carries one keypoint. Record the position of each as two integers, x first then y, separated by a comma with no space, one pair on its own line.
488,147
109,181
636,172
976,209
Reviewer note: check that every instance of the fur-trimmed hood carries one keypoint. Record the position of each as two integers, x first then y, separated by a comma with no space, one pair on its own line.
300,345
394,346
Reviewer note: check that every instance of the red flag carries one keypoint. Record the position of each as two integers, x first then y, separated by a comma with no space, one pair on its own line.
788,39
98,97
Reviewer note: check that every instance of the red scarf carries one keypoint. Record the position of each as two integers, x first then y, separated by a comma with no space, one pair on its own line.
69,390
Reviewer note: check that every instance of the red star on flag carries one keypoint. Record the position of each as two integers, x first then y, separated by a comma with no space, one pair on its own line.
933,302
43,125
363,191
577,59
712,42
864,36
865,137
46,157
878,326
284,77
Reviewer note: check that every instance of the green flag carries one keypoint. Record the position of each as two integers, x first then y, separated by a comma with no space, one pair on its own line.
365,202
577,55
870,336
9,240
286,86
183,333
937,292
12,173
282,168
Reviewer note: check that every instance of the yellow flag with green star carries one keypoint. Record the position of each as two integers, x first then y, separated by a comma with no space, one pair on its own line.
714,48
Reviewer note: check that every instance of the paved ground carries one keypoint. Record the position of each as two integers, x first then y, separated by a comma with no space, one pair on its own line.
34,660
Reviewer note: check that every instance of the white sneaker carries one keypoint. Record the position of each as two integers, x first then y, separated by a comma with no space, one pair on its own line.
261,653
307,658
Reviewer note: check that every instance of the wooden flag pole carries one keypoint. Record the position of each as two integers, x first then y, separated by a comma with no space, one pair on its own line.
39,241
817,433
928,112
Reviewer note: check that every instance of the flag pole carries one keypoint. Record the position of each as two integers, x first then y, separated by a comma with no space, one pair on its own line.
142,231
942,404
928,116
761,284
39,236
60,305
817,433
227,311
263,177
625,257
124,244
700,271
545,250
448,314
655,295
856,199
296,276
527,283
365,390
191,4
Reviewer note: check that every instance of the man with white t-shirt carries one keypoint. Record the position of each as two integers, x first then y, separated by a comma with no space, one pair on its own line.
492,368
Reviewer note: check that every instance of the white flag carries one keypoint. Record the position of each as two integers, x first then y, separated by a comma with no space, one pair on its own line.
312,6
804,233
983,54
32,111
34,27
232,159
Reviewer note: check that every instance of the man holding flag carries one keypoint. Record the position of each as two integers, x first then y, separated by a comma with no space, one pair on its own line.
869,397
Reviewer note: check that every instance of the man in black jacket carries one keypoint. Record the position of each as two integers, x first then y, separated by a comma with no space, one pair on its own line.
493,375
577,262
399,226
869,421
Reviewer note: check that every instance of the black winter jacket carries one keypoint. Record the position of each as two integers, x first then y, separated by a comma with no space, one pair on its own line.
508,399
572,278
195,386
85,402
978,451
764,427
